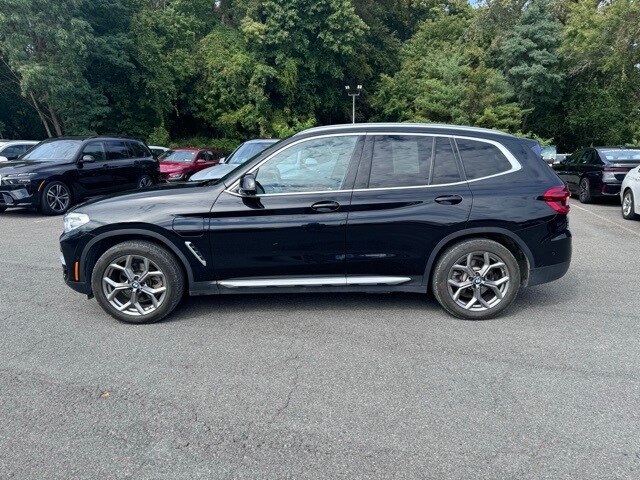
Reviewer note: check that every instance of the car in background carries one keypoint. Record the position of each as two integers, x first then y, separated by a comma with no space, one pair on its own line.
596,172
240,155
59,173
157,150
350,208
179,164
12,149
549,154
630,195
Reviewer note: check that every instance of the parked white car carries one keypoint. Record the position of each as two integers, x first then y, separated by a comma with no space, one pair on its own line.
12,149
630,194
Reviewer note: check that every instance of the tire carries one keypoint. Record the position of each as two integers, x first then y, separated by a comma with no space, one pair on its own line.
56,198
114,287
457,298
628,206
584,191
145,181
2,209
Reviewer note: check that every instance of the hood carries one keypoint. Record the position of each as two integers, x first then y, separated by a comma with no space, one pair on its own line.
213,173
169,167
151,206
7,168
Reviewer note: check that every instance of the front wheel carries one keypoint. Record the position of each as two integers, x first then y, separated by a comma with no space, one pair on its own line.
138,282
56,199
476,279
628,206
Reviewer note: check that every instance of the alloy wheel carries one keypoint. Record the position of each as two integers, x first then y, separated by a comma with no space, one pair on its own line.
58,197
134,285
627,204
478,281
144,182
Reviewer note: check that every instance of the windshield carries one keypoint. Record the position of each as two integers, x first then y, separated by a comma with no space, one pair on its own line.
177,156
621,155
246,151
56,150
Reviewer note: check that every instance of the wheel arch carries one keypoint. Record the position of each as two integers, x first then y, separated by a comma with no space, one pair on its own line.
505,237
101,243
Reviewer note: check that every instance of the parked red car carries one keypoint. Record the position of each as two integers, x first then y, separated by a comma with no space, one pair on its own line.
179,164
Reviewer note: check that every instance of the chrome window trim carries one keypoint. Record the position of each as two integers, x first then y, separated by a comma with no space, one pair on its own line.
515,164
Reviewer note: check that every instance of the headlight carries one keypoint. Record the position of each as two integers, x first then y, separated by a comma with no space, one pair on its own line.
175,175
74,220
17,178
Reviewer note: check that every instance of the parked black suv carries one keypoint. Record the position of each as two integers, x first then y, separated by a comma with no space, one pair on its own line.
597,172
472,214
58,173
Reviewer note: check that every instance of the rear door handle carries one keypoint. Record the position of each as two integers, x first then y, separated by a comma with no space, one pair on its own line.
449,199
323,207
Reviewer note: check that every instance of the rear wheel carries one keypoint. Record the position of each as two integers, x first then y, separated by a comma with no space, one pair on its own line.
138,282
584,192
476,279
145,181
628,206
56,198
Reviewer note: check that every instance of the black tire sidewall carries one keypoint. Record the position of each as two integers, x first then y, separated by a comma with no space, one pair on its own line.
440,277
587,197
165,260
44,205
632,215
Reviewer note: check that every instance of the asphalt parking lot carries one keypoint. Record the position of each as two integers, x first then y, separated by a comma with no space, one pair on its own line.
324,386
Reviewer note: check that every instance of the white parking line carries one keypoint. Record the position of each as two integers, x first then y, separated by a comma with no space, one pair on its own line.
573,205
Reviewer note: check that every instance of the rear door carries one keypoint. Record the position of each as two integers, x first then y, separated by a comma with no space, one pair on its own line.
409,195
121,166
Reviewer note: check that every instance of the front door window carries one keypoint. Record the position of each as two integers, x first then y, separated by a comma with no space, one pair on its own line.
316,165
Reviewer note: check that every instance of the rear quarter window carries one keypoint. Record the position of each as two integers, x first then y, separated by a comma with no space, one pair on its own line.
481,159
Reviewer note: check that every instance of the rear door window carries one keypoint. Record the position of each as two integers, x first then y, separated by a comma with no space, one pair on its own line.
445,166
137,150
481,159
116,150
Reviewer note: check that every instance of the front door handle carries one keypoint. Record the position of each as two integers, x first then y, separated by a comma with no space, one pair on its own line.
323,207
449,199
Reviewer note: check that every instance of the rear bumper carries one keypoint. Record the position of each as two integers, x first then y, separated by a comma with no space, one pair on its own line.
610,189
538,276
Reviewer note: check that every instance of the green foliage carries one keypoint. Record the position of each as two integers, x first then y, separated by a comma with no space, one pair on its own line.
237,69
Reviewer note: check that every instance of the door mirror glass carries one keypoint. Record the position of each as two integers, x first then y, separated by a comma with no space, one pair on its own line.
248,185
88,158
4,159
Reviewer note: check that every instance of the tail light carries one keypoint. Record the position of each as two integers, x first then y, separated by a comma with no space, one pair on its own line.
558,199
609,173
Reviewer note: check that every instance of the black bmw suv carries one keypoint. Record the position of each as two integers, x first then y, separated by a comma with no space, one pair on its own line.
61,172
470,214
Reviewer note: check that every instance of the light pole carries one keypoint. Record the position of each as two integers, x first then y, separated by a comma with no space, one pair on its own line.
353,96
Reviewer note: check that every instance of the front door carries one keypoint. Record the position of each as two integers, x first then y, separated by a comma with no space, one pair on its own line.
293,232
409,195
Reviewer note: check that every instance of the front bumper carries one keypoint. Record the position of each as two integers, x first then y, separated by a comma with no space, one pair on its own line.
18,196
71,246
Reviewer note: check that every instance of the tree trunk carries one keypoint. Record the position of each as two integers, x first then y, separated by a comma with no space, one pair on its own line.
41,115
56,122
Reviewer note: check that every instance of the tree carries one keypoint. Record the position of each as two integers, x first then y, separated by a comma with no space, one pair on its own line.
530,60
445,79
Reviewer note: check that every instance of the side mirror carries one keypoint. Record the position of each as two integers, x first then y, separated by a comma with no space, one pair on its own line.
222,160
88,159
248,185
4,159
200,161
